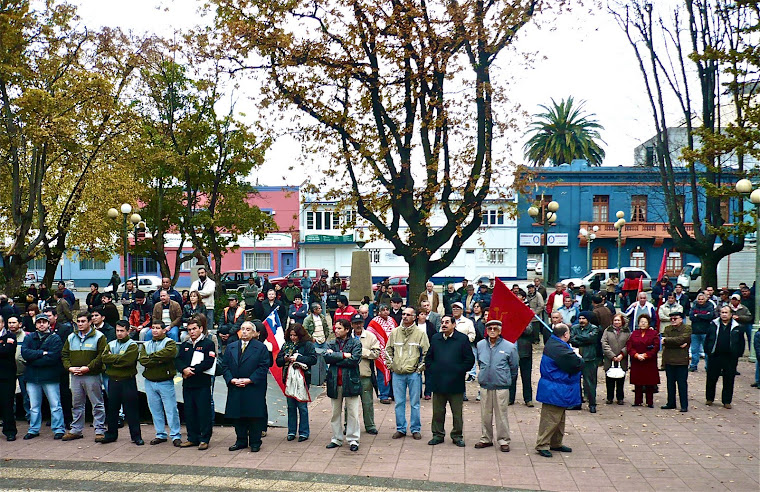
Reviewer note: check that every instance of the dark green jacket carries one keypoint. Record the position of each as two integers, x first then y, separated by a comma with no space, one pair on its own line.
349,368
78,353
120,359
588,339
157,357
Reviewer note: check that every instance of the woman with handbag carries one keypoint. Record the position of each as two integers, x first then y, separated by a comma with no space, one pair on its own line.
642,347
298,351
614,340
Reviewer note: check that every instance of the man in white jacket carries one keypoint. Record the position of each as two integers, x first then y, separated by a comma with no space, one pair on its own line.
206,288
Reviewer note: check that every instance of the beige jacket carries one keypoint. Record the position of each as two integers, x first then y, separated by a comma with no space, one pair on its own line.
370,352
406,349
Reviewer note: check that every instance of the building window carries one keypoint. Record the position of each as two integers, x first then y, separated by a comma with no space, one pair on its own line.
374,255
601,208
599,259
725,210
90,264
144,265
37,264
323,220
638,208
674,263
493,217
188,265
257,261
350,217
495,256
638,258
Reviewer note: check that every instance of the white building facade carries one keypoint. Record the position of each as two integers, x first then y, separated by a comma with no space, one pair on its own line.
327,243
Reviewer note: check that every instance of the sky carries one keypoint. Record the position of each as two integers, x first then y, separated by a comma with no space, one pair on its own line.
582,53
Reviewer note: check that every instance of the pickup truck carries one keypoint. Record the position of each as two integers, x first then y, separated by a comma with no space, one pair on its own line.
314,274
732,270
604,274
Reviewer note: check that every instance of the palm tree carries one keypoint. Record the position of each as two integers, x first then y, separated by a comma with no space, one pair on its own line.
564,133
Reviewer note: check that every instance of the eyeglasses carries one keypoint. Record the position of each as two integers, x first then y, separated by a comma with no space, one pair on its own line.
407,314
493,328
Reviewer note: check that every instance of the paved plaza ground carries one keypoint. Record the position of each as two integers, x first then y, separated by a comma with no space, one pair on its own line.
619,448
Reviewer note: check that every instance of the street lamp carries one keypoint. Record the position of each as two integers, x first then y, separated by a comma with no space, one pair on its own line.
137,223
545,215
619,224
590,236
744,186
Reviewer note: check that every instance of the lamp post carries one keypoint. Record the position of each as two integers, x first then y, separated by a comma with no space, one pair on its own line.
545,215
619,224
137,223
744,186
590,236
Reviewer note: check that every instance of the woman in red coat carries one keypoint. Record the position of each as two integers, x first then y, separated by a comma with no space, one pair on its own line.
642,347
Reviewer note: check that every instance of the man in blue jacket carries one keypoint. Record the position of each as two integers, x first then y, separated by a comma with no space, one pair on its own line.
558,390
42,353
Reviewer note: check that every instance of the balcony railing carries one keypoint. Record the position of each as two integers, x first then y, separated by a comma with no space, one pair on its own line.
658,231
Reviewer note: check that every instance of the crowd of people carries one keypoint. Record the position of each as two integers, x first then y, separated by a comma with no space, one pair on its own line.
402,353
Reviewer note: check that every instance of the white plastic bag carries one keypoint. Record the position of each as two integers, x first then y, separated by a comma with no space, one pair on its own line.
295,383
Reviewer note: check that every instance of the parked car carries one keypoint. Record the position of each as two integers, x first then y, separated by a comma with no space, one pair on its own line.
234,280
399,284
539,270
314,273
531,264
146,283
605,274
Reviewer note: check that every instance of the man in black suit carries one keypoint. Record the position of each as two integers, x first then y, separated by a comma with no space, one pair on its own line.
246,363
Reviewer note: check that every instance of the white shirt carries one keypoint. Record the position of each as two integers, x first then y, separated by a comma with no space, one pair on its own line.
206,290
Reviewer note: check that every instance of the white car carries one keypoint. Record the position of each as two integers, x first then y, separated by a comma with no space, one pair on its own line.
147,283
531,264
539,270
606,273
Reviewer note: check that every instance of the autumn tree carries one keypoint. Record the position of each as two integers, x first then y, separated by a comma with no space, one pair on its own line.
399,96
196,160
63,125
689,57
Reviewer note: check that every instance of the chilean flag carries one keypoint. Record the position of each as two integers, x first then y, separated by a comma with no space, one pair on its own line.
382,337
276,337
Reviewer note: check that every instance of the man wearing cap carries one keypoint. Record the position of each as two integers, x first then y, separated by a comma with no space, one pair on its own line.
42,353
170,312
558,389
676,339
396,309
405,353
82,356
586,336
230,321
140,313
449,358
370,352
498,363
742,315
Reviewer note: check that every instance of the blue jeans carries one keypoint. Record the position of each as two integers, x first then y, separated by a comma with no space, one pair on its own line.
210,319
400,384
298,416
162,398
697,342
383,390
53,395
24,397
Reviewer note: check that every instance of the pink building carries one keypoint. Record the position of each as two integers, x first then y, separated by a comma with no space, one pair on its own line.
276,254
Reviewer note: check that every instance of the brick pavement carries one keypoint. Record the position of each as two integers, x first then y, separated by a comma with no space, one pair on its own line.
619,448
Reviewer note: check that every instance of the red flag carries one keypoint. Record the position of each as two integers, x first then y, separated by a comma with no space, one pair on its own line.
382,337
663,265
511,311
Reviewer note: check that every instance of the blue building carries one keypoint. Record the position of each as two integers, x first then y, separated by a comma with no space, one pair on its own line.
591,196
83,271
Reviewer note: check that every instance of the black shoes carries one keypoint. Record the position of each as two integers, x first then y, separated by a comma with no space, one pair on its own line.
563,449
459,443
157,440
291,437
107,440
592,409
332,445
57,437
545,453
10,438
237,447
255,449
354,447
177,442
371,431
32,436
435,440
139,442
302,438
684,410
668,407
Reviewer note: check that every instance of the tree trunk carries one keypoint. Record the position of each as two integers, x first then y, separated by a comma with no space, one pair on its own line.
52,259
15,271
419,274
710,270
